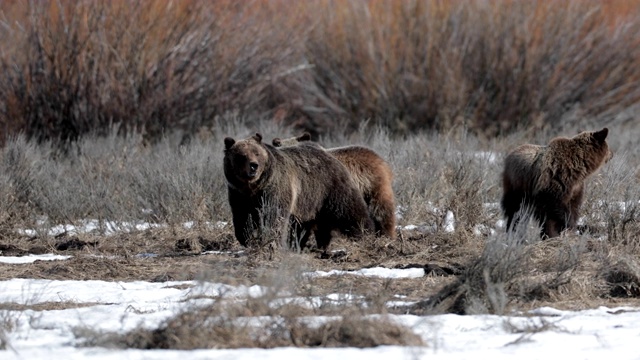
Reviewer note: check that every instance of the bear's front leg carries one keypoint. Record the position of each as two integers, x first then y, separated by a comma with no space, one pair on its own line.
244,216
574,205
300,233
550,229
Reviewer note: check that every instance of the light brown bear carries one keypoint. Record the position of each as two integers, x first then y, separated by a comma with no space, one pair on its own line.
372,175
301,186
549,180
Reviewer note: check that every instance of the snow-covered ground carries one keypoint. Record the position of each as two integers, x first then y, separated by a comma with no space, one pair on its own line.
544,333
102,227
27,259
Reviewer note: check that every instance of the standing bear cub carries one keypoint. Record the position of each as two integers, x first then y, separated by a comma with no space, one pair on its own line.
301,187
373,178
549,180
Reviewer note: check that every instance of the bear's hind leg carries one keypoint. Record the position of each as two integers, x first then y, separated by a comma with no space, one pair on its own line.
299,234
384,217
552,214
347,212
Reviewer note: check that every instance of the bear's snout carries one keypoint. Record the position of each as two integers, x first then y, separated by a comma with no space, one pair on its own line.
253,169
609,155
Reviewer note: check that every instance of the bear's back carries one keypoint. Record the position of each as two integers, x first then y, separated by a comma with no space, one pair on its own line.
522,158
368,169
522,167
311,164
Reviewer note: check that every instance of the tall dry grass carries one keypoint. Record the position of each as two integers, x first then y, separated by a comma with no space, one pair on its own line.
124,179
71,68
74,67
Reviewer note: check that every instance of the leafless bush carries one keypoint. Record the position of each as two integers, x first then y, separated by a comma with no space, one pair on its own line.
485,284
115,178
20,164
614,203
73,68
492,66
80,67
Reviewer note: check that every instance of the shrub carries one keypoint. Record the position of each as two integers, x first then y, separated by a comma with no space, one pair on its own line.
76,67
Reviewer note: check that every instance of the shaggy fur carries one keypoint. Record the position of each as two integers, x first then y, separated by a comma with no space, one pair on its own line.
372,175
272,188
549,180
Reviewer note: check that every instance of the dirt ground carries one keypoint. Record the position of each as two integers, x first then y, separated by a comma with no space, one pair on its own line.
160,255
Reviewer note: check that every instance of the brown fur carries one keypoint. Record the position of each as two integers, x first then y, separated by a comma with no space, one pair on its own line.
301,186
372,175
550,179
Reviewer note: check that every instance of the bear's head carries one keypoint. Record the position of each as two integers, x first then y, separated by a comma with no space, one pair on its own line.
278,142
245,160
593,148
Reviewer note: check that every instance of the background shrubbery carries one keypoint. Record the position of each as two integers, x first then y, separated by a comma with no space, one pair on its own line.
68,68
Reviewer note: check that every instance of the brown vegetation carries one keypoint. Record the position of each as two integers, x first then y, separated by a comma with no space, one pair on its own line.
225,326
76,67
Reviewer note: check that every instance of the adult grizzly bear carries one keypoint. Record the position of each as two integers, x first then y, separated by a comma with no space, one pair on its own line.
549,180
372,175
304,186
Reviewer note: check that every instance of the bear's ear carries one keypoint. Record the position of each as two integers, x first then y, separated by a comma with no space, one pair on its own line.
277,142
601,135
257,137
228,143
304,137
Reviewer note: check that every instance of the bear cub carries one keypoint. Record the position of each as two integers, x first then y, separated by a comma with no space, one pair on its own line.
373,178
549,180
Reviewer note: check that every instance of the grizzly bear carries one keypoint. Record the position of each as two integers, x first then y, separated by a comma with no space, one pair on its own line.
549,180
290,190
372,175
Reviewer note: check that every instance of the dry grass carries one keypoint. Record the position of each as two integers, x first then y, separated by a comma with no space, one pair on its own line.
210,329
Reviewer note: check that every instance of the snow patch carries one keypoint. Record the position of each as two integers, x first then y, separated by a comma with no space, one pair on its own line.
28,259
373,272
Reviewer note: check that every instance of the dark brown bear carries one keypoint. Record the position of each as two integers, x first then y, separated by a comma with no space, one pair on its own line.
372,175
274,189
549,180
